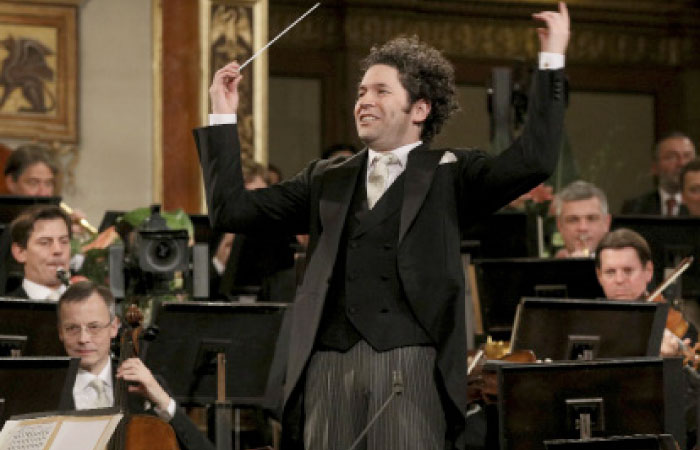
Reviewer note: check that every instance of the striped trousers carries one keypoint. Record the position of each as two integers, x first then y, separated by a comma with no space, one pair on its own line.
344,391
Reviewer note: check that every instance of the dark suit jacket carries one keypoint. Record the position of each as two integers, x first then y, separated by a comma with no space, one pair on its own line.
649,203
188,435
440,200
18,292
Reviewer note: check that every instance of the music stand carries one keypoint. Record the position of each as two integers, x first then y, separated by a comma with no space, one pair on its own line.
109,218
538,402
506,234
501,283
190,334
588,329
29,385
30,324
637,442
12,206
670,239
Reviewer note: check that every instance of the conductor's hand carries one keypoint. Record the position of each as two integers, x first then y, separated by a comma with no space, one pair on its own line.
555,36
224,89
142,382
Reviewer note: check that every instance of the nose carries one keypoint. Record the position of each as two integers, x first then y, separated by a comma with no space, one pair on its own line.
84,336
619,277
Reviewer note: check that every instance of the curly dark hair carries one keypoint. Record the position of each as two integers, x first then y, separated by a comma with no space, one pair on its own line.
424,73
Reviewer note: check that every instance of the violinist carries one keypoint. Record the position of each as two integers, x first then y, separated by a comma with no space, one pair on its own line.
41,244
86,325
624,269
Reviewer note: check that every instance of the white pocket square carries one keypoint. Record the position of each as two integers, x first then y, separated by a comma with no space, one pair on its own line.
447,158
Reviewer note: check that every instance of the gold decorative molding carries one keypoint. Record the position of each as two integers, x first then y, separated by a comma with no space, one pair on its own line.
157,73
236,29
490,39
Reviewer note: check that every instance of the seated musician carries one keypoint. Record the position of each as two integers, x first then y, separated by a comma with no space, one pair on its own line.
86,326
624,269
582,218
30,170
41,244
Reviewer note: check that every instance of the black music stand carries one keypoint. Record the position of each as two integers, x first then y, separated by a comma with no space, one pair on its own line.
191,334
588,329
506,234
29,326
29,385
637,442
501,283
670,239
541,402
12,206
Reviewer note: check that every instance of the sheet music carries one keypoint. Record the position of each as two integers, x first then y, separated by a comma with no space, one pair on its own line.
30,437
59,433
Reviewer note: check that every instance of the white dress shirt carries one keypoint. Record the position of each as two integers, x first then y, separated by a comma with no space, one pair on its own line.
664,198
36,291
85,395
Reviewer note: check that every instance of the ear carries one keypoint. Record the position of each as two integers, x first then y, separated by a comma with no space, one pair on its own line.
607,219
598,274
114,328
649,271
19,253
420,110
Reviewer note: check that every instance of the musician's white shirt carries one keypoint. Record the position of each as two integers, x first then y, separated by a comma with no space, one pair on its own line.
84,395
36,291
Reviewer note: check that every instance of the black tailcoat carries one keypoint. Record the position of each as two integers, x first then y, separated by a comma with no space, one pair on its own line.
444,192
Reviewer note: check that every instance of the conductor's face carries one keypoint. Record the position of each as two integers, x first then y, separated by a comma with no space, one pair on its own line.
383,116
86,330
622,274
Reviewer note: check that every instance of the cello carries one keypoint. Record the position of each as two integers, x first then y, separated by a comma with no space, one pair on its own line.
137,431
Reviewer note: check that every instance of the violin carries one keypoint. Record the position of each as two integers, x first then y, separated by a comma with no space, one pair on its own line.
137,431
674,321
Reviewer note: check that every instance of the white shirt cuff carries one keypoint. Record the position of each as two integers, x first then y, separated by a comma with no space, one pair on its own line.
218,265
221,119
167,414
551,61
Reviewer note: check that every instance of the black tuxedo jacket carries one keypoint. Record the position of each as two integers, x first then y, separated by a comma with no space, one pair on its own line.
18,292
649,203
188,435
444,192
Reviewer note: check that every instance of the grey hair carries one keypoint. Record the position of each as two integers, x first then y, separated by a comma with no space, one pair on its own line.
580,190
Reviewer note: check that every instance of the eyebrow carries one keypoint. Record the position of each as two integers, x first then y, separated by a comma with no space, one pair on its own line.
380,84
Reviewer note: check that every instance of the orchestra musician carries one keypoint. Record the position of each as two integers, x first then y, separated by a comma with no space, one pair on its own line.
625,269
41,244
86,326
383,290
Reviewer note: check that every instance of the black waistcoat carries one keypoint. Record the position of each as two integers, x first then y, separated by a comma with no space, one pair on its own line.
365,299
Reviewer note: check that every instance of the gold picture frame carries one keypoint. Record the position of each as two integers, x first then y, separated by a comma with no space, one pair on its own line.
38,71
236,29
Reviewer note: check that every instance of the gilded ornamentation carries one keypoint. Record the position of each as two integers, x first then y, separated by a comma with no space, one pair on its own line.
231,37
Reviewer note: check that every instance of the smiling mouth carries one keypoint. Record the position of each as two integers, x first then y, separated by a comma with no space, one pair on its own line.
367,118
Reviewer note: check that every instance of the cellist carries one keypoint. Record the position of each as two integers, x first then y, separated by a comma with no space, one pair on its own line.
86,325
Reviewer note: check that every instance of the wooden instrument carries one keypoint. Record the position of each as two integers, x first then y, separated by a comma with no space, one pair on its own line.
674,321
482,385
137,431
